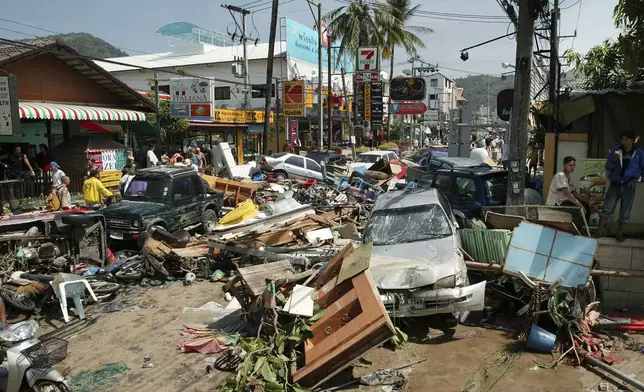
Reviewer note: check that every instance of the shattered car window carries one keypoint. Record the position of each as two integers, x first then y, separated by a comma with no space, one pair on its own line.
146,189
368,158
405,225
496,187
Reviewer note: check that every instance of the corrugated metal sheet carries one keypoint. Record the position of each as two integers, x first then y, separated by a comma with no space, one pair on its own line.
486,246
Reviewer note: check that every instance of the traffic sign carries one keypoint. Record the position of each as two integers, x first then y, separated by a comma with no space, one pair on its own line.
367,76
368,58
294,104
408,108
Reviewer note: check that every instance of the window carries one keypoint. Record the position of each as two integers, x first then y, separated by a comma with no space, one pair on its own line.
296,161
426,181
222,92
197,185
391,156
259,91
465,187
444,184
181,189
448,207
311,165
432,97
163,88
407,224
433,82
146,189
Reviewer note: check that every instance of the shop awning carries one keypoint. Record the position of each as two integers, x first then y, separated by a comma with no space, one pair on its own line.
55,111
215,125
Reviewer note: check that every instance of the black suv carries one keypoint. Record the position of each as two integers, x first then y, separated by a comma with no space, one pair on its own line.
171,197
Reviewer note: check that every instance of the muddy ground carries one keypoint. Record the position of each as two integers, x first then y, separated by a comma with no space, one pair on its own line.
151,323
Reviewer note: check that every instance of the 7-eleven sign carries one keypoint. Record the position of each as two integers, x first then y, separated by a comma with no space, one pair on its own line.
368,59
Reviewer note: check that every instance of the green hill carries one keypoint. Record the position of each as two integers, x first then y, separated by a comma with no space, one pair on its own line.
89,45
476,89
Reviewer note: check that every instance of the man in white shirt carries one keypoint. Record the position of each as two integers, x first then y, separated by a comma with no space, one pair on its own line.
152,158
505,159
56,174
561,192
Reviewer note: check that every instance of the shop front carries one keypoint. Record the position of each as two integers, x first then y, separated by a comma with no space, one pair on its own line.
245,128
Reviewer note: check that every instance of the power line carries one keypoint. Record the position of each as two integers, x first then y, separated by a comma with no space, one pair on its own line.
581,3
570,6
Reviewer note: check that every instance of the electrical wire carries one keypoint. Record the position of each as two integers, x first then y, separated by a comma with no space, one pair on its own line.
581,3
270,6
252,2
570,6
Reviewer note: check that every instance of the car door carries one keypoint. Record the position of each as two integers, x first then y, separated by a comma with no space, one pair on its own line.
295,168
183,196
314,170
427,181
443,182
465,195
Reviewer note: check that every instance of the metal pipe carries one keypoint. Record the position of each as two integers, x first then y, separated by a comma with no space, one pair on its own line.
629,380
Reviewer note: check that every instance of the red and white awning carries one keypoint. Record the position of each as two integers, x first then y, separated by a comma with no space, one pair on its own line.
55,111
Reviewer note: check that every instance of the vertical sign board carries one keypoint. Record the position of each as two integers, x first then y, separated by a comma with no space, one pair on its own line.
9,112
294,104
368,58
293,131
358,105
367,102
376,104
192,98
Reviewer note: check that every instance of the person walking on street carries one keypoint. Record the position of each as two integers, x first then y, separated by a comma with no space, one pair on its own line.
562,192
152,159
625,165
63,193
94,192
56,174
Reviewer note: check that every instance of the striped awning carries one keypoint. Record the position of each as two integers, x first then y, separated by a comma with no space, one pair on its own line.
55,111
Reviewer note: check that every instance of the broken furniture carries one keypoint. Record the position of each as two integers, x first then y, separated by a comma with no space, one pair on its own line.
238,191
355,321
71,286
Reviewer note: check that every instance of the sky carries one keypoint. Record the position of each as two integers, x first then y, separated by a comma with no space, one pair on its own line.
131,25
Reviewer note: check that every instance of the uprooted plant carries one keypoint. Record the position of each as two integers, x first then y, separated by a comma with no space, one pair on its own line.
267,357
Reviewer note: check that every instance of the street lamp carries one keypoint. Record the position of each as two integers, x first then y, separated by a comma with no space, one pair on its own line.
507,65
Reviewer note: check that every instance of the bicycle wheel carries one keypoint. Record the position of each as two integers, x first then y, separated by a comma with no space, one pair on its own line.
100,287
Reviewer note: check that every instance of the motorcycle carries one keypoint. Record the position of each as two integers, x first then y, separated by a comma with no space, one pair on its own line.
31,360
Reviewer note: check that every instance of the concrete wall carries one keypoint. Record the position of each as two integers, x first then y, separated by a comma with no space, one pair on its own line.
628,256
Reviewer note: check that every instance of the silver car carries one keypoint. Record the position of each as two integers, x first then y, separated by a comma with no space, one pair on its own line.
292,166
416,260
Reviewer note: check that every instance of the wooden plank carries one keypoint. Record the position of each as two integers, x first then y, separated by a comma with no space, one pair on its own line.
255,276
332,268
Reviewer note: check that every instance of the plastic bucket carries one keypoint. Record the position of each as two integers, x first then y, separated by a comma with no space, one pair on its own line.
540,340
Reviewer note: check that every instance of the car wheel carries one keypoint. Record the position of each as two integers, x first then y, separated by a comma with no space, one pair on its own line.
281,176
209,221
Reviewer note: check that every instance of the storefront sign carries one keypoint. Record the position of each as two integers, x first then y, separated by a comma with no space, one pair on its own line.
294,103
359,102
592,184
367,102
408,89
376,104
408,108
192,98
9,112
108,160
504,102
368,59
302,44
293,131
230,116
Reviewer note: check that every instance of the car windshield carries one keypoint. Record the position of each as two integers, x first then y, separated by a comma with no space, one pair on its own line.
405,225
368,158
318,156
496,188
147,189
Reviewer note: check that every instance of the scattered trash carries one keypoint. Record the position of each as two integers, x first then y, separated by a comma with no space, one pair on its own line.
190,278
228,297
147,365
207,307
106,377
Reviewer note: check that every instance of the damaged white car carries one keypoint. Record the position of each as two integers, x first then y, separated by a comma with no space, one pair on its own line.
416,262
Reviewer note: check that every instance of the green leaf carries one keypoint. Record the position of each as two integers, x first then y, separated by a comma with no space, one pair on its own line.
283,358
297,388
261,361
280,297
317,316
231,340
267,373
361,362
273,387
295,338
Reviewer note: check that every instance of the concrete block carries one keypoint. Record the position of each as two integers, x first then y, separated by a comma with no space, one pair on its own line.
635,301
614,300
614,257
637,259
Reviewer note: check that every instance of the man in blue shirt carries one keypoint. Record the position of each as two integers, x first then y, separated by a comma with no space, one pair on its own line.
625,165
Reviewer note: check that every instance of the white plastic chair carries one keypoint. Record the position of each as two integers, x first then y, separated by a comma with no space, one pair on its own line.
72,287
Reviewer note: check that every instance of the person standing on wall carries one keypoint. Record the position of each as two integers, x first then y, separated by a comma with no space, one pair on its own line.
152,159
625,165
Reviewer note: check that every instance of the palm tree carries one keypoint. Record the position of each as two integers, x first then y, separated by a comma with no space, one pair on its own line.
400,34
357,24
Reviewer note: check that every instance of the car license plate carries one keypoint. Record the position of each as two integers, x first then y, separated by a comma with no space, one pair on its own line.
116,235
416,303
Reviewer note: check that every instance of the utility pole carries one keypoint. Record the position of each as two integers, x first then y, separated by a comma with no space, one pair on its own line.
554,64
329,89
269,78
277,113
346,109
157,117
247,87
521,105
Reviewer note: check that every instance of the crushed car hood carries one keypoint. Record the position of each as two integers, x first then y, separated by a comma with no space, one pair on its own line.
413,265
133,209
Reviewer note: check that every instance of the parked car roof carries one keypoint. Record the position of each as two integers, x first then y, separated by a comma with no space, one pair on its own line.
458,162
378,152
406,198
165,171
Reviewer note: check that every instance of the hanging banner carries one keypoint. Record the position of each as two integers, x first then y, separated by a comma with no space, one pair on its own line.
294,103
293,132
592,184
9,113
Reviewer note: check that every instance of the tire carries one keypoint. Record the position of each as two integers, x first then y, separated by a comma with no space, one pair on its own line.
100,287
280,175
208,221
78,219
157,265
129,275
50,386
17,301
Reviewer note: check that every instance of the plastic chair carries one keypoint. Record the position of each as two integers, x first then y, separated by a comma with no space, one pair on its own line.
72,287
